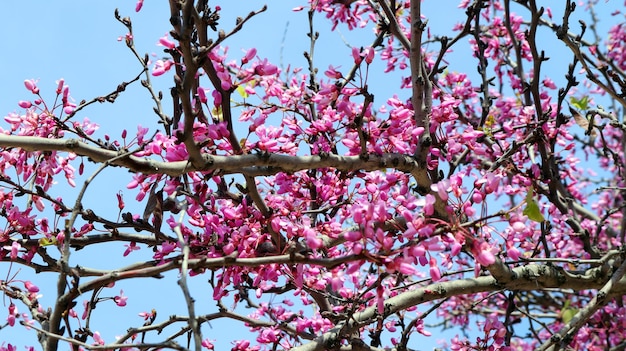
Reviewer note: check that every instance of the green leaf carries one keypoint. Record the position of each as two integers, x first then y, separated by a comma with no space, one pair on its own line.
581,104
48,241
568,312
216,112
242,91
532,210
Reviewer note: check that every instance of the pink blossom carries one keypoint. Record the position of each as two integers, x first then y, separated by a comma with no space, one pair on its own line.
128,38
250,54
60,84
202,95
368,53
512,252
120,299
268,335
31,287
208,344
164,41
24,104
31,85
442,188
420,328
312,239
217,98
333,73
406,268
429,204
130,248
69,108
147,315
161,66
483,254
120,201
15,249
356,55
435,274
549,83
138,5
86,308
12,314
98,339
468,210
265,68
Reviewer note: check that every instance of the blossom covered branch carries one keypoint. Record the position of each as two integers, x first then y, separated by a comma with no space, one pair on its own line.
470,176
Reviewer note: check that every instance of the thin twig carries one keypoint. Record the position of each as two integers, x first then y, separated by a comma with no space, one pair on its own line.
182,282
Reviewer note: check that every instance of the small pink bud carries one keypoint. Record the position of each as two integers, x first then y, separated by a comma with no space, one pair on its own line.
406,268
68,109
98,339
120,201
518,226
15,249
31,287
429,207
226,85
24,104
369,55
249,56
483,254
468,209
164,41
120,300
11,319
60,83
12,314
161,67
357,248
202,95
477,197
513,253
265,68
31,86
217,98
356,55
435,274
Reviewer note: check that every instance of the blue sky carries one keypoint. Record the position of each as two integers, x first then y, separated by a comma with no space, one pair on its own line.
77,40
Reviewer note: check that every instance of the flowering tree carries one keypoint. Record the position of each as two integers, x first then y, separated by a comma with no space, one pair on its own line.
323,218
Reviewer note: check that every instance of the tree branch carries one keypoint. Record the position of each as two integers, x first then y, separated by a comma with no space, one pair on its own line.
567,333
262,164
532,277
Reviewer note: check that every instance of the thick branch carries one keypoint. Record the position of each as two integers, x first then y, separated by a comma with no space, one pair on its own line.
245,164
531,277
566,334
